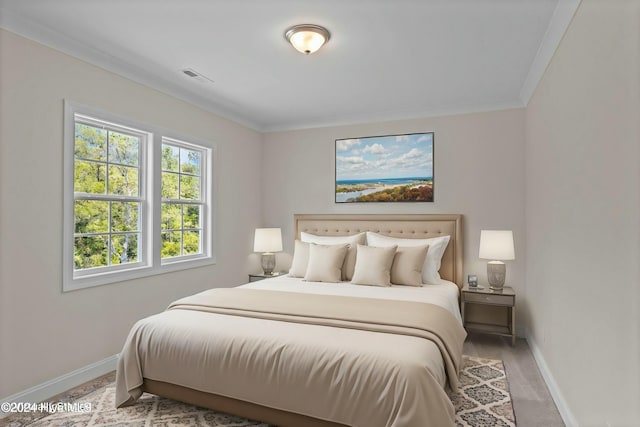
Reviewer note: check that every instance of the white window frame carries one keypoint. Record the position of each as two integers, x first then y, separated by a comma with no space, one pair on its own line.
144,138
149,245
204,239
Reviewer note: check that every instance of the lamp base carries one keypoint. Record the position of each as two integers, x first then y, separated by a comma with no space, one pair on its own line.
496,273
268,262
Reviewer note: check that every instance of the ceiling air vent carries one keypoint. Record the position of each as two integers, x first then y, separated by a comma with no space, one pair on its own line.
190,72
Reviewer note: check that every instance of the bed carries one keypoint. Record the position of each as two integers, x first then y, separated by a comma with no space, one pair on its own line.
300,353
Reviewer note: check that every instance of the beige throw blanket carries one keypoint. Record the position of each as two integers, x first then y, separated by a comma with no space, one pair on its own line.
356,361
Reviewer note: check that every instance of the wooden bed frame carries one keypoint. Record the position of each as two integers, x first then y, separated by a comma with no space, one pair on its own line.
405,226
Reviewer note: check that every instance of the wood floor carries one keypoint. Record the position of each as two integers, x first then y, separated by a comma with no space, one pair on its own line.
532,403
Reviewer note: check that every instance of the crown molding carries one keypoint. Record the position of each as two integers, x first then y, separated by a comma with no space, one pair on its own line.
560,21
391,117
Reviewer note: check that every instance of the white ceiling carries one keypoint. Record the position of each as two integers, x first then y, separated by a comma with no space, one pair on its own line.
387,59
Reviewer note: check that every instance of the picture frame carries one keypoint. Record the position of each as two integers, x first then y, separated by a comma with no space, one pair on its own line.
389,168
472,280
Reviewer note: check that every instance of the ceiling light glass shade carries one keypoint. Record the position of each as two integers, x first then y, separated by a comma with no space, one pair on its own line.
307,38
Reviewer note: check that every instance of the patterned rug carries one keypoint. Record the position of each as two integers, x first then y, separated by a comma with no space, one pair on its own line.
483,397
483,400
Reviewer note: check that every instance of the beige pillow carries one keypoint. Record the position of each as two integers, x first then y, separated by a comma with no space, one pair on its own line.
407,265
433,260
373,265
325,263
300,259
353,240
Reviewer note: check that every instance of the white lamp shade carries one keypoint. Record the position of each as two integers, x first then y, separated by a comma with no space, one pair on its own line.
267,240
497,245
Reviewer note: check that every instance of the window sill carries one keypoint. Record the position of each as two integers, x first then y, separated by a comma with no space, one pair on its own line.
99,279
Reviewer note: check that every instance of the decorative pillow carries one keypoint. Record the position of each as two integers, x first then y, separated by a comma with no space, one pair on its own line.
373,265
353,240
300,259
408,264
325,263
432,261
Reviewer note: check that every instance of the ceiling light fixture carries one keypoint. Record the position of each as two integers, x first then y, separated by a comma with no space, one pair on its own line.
307,38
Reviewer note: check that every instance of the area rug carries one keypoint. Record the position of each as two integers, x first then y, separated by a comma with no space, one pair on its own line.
483,397
482,400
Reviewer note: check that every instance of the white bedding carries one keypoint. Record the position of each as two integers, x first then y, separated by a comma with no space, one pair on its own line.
444,295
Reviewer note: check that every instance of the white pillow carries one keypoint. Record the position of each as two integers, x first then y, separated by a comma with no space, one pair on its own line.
325,263
437,245
300,259
373,265
353,240
408,264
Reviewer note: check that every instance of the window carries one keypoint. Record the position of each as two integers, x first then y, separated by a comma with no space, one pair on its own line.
182,203
129,212
107,195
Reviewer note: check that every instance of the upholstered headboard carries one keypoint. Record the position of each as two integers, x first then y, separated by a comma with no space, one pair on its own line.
405,226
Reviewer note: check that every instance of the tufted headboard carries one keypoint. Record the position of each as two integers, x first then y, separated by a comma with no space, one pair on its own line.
405,226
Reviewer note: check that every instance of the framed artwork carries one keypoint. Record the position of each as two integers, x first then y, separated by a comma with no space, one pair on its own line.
393,168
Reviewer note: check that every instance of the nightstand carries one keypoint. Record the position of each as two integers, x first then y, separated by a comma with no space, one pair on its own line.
262,276
504,298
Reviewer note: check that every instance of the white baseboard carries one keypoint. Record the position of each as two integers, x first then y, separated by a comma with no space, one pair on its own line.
48,389
556,394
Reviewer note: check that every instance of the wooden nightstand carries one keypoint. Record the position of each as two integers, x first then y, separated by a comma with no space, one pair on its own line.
262,276
504,298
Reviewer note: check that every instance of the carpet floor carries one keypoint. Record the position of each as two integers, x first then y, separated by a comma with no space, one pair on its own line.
483,399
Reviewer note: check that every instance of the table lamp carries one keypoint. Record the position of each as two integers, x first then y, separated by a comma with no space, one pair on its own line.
496,246
268,241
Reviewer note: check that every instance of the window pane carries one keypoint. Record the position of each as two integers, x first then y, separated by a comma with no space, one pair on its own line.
90,251
123,149
189,187
89,177
191,242
91,216
124,216
171,242
169,185
190,161
123,180
124,248
171,216
170,158
90,142
192,216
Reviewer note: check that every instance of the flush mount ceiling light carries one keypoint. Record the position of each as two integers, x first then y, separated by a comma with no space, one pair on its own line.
307,38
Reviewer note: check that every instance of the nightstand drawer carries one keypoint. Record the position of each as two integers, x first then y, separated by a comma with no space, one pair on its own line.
507,300
257,277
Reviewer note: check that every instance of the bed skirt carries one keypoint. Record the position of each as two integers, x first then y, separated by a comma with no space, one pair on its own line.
234,406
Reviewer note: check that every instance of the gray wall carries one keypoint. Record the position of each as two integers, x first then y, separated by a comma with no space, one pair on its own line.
43,332
582,208
479,172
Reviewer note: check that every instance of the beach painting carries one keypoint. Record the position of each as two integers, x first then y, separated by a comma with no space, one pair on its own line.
394,168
